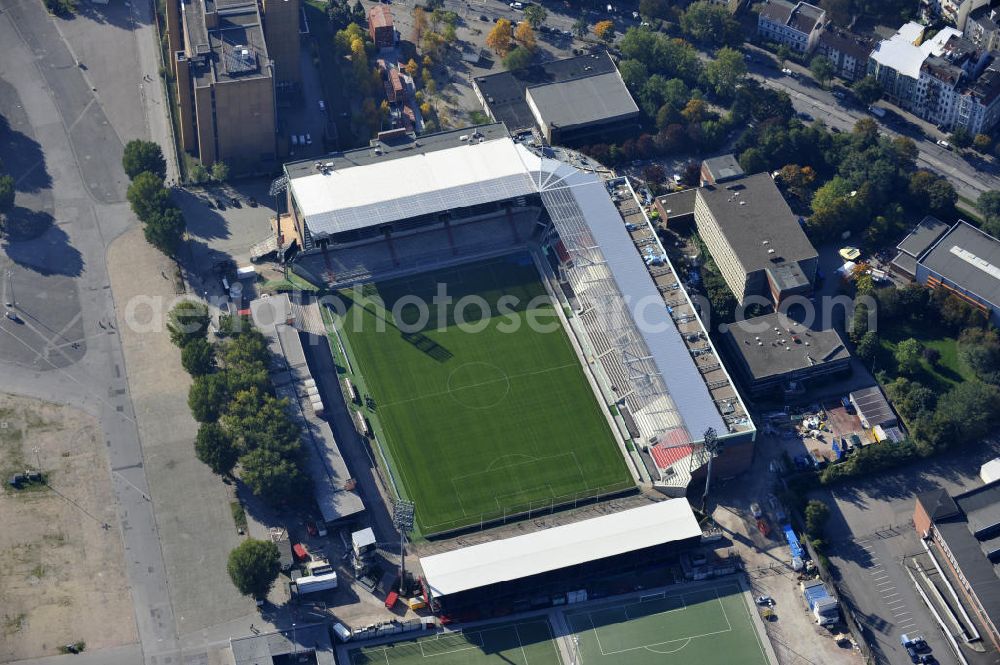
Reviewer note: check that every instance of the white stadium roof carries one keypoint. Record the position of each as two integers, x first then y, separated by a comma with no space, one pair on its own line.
559,547
381,192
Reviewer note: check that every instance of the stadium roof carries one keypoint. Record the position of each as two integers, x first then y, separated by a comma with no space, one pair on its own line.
968,258
468,174
559,547
583,101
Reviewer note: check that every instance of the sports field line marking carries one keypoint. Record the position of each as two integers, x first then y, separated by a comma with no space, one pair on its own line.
520,645
653,596
753,626
669,651
676,609
507,377
472,644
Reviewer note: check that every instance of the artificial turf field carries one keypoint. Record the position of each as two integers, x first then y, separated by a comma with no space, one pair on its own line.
480,424
708,625
527,642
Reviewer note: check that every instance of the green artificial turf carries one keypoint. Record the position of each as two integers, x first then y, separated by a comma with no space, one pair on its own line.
479,425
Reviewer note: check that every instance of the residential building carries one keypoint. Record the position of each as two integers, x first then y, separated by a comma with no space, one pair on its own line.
225,85
775,355
571,101
965,261
947,80
957,12
846,51
797,25
380,26
755,239
983,28
962,534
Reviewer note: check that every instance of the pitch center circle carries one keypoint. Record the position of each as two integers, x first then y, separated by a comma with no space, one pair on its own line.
478,385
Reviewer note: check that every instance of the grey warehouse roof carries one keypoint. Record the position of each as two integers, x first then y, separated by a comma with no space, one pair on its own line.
923,235
598,98
767,352
751,211
968,258
723,168
873,407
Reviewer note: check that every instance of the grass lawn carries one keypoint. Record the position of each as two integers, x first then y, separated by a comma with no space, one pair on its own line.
949,371
523,643
709,625
480,424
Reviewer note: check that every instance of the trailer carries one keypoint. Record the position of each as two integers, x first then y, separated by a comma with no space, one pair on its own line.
352,391
793,545
362,423
313,583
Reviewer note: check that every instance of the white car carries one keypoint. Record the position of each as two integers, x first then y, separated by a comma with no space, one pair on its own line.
786,71
309,139
322,105
944,144
295,139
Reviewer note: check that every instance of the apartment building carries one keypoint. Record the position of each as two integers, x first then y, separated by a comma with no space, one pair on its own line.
846,51
983,28
956,12
798,25
755,239
947,80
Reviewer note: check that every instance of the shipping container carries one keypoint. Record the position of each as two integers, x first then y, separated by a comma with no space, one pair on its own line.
314,583
390,600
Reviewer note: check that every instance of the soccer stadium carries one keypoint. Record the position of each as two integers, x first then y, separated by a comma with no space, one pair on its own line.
565,364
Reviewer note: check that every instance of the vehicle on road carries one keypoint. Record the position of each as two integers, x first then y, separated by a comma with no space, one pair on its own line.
322,105
877,111
805,116
14,317
765,601
839,95
944,144
787,72
849,253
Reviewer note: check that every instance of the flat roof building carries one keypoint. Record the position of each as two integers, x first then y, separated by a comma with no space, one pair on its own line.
581,107
553,561
774,354
721,169
574,100
309,644
752,234
926,233
966,262
225,84
676,209
873,408
964,534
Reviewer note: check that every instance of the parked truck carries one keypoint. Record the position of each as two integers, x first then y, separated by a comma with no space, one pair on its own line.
823,606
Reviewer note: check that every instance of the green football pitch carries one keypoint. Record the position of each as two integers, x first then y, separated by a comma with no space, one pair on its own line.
709,625
483,420
525,643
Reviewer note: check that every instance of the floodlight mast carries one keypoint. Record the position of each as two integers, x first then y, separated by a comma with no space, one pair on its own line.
402,518
278,186
711,449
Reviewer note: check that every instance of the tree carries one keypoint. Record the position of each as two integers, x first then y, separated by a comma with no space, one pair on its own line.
525,35
207,397
214,447
710,23
867,346
519,58
581,27
250,347
868,90
535,15
961,138
500,37
412,68
147,195
271,476
908,356
198,357
188,321
817,513
143,156
979,350
821,68
783,53
6,194
930,192
989,205
968,411
726,71
982,142
655,8
605,30
259,420
220,171
165,229
254,566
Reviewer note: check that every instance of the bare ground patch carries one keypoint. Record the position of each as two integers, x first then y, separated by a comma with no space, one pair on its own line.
62,577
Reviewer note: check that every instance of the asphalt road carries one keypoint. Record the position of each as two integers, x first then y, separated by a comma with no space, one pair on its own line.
79,150
809,98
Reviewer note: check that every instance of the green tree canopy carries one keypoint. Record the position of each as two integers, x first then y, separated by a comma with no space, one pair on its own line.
164,229
710,23
868,90
519,58
535,15
198,357
817,513
821,68
989,205
254,566
215,448
907,356
6,194
726,71
143,157
188,321
147,195
271,476
207,397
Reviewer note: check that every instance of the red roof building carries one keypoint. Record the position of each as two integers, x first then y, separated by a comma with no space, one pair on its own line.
380,26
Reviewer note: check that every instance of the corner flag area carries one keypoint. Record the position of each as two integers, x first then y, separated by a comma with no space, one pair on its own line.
708,625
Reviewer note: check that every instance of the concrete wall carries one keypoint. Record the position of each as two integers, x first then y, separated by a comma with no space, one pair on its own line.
281,32
244,123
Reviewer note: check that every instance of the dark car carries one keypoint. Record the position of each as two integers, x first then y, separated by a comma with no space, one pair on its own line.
236,202
483,17
912,653
252,201
220,204
14,317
